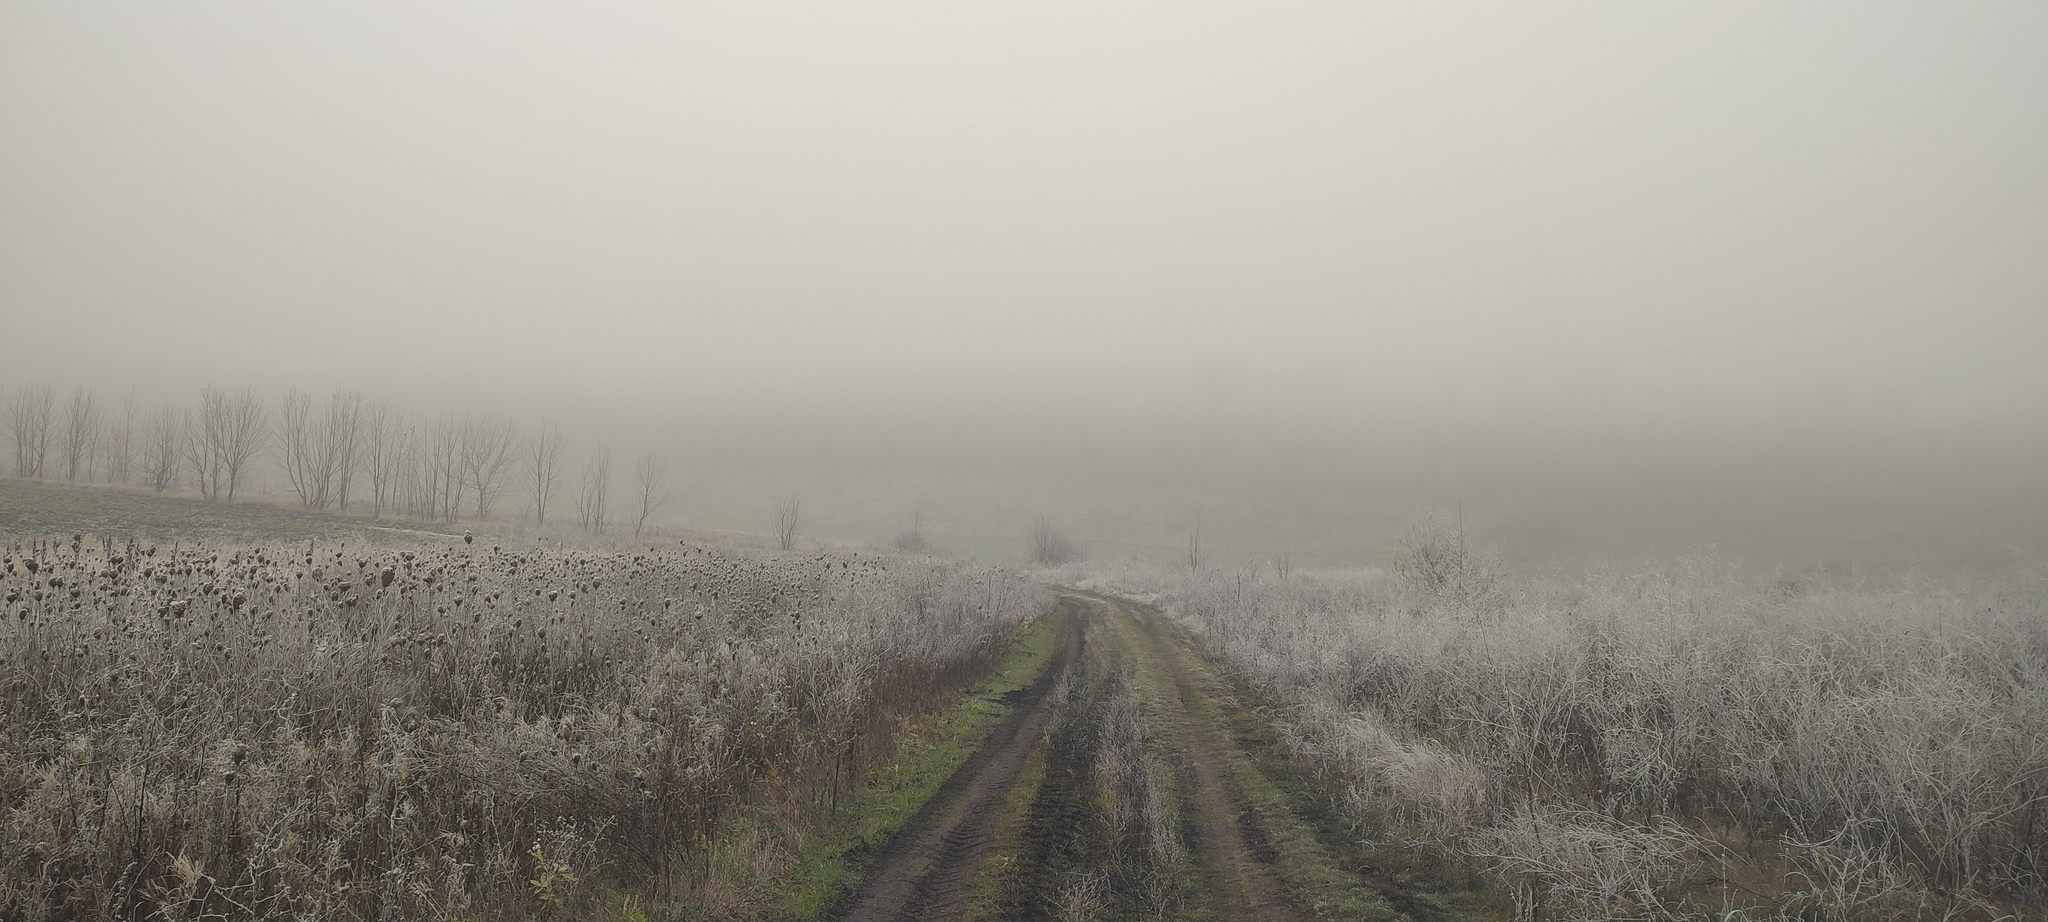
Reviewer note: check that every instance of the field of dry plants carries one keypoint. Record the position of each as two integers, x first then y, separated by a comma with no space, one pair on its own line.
313,730
1659,745
348,721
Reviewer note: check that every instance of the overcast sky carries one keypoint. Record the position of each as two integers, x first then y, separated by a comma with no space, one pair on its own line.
1753,204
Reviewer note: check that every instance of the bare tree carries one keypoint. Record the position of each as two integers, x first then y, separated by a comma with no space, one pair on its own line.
597,482
385,445
544,454
649,475
318,453
913,539
29,416
228,434
421,477
789,521
160,443
119,443
200,437
303,451
440,462
1050,544
344,438
243,432
81,433
1195,547
416,480
487,455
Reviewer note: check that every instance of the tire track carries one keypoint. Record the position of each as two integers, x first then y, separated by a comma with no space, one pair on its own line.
1062,831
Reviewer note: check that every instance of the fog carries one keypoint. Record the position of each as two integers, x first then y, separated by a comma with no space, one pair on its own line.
1623,283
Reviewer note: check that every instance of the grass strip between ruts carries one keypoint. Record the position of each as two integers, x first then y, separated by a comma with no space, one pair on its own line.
1326,890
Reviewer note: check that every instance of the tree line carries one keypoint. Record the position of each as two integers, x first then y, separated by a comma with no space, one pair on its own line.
333,453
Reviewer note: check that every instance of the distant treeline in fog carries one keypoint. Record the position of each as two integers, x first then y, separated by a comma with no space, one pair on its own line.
337,451
1331,481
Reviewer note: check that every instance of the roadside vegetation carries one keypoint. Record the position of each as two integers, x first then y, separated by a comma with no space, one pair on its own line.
828,861
1683,745
461,731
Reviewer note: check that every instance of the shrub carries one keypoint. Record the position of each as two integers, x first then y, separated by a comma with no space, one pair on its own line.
1436,558
1049,544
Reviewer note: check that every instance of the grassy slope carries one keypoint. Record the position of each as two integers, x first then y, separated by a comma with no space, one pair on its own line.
53,509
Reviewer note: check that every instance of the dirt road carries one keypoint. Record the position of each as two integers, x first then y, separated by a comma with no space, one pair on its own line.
1073,808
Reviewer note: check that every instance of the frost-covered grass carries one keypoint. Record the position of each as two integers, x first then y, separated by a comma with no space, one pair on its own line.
1682,742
